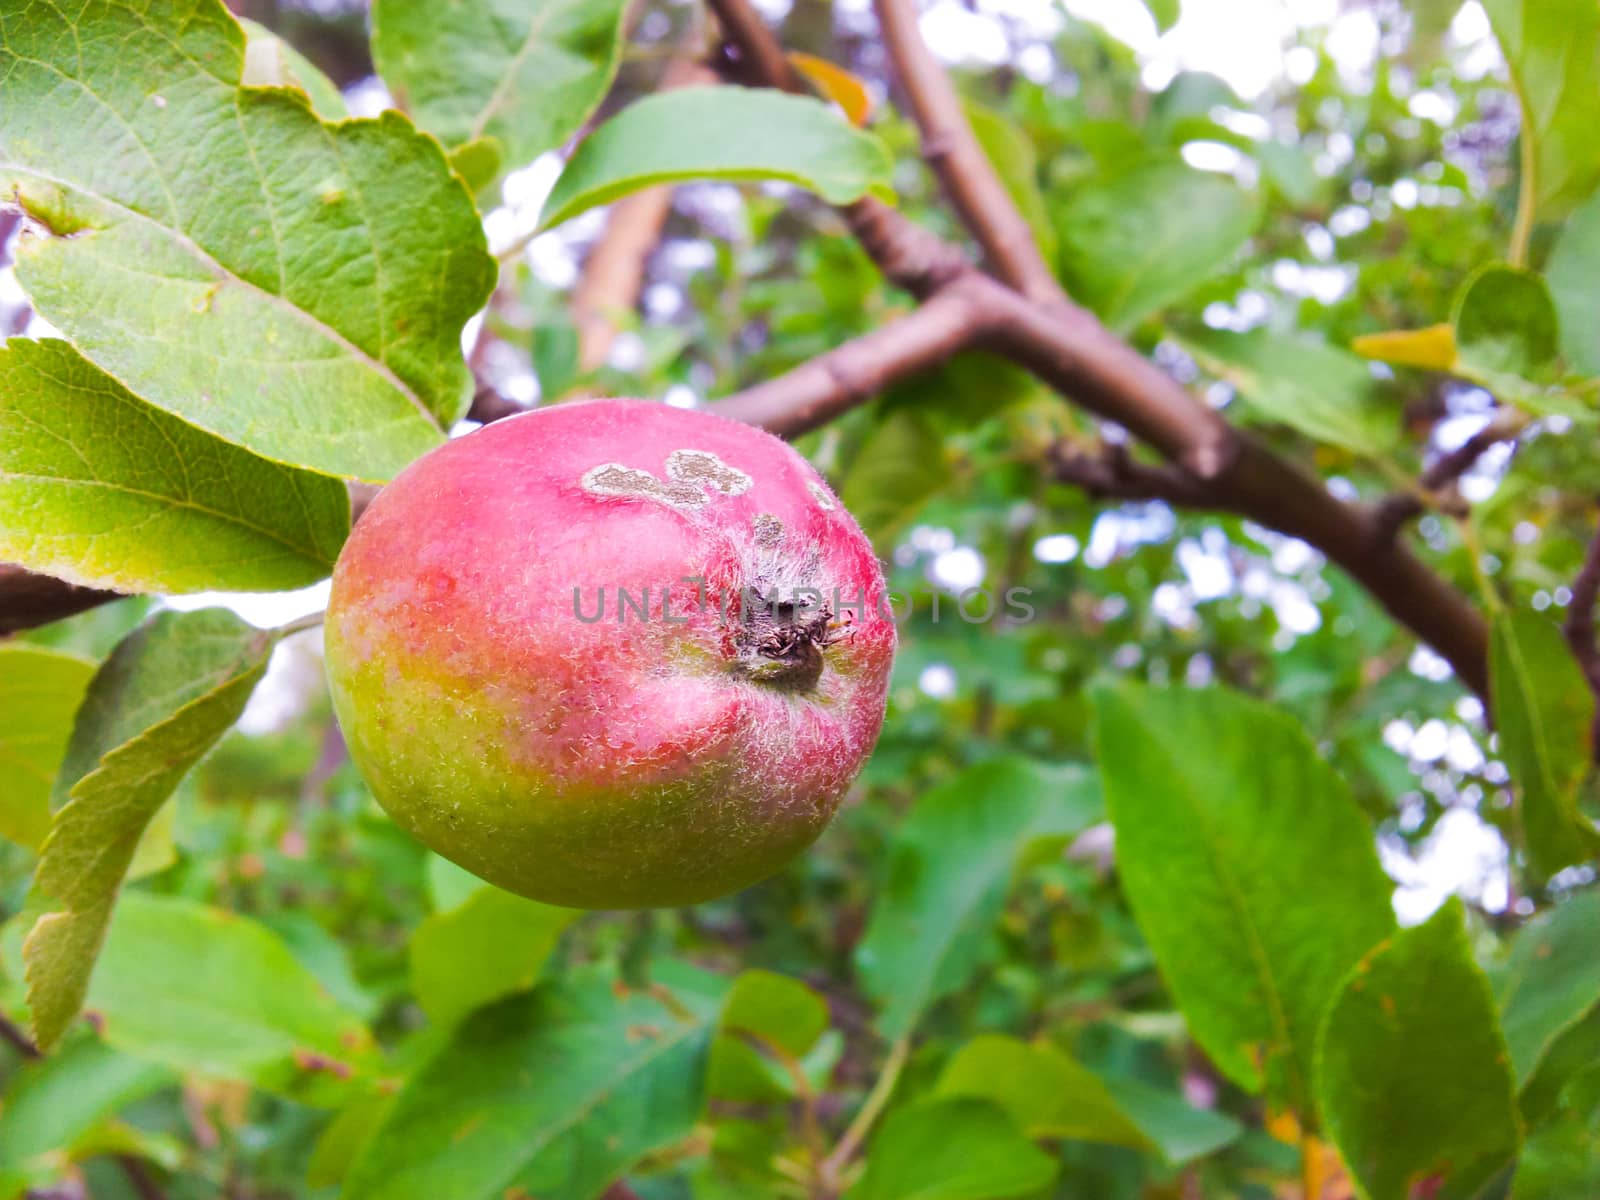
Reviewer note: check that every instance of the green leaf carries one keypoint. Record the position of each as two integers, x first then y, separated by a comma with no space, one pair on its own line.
269,61
1553,50
1550,981
720,133
1165,12
1143,240
555,1092
213,993
294,287
39,695
899,468
163,698
1250,869
1047,1094
948,873
490,946
1558,1162
555,356
101,489
1544,711
953,1148
1571,1059
1570,272
1180,1131
1324,392
1014,159
524,73
1414,1077
765,1015
54,1104
1505,322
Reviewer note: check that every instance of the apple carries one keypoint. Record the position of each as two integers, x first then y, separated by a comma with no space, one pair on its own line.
610,654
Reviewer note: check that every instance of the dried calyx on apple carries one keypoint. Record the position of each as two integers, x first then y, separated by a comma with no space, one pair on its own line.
610,654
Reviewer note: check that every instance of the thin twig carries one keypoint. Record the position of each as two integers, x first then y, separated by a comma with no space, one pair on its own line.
18,1040
1436,484
1111,473
952,150
1579,627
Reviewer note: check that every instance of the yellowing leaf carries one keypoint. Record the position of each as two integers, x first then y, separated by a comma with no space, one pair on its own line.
1433,348
837,84
158,703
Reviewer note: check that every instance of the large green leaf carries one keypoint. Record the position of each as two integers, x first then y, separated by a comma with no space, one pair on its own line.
163,698
213,993
899,468
40,691
489,946
1550,981
1142,240
525,73
1414,1077
552,1094
101,489
53,1104
952,1148
1553,50
1249,867
1544,712
720,133
1323,391
296,287
948,873
1570,272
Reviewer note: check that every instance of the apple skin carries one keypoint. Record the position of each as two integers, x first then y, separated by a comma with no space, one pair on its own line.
609,763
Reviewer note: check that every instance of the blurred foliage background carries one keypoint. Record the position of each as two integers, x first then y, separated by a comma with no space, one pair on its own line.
960,931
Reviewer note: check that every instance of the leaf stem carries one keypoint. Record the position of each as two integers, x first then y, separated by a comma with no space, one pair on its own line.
833,1166
300,625
1527,201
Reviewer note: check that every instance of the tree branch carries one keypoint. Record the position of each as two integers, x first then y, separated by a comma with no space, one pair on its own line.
814,393
1445,472
952,150
1111,473
1066,347
613,271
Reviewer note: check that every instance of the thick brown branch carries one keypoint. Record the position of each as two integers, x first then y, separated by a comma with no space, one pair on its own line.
28,600
964,170
1066,347
817,391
